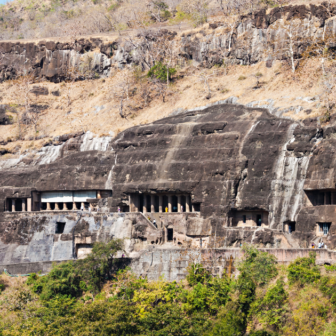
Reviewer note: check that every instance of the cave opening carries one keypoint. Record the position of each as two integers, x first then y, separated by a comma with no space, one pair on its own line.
170,235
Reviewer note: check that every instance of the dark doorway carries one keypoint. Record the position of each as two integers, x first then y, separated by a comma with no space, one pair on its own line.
69,205
125,208
43,206
165,203
149,203
141,197
324,227
328,198
52,206
170,234
197,207
174,203
244,219
156,203
59,227
183,203
258,220
18,205
78,205
291,227
320,198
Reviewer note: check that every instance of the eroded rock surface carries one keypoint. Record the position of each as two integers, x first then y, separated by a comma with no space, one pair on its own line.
246,175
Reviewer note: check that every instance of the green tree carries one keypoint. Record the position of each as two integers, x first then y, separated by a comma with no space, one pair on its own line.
260,266
303,271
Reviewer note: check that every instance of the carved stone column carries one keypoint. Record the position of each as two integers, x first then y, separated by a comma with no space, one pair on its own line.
187,209
29,204
23,204
13,205
65,206
48,206
179,201
170,203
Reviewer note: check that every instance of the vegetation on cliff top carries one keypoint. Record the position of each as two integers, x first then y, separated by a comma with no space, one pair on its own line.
86,298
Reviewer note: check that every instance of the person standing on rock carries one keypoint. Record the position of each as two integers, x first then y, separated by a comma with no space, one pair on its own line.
82,207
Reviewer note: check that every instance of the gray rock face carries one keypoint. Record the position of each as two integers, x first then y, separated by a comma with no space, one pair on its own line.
251,174
252,39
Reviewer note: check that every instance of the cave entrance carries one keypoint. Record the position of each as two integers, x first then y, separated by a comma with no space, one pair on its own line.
323,229
165,203
289,226
18,204
183,203
258,220
59,227
170,234
174,203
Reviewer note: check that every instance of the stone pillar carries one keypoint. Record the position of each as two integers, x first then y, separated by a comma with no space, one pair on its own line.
130,202
74,207
48,206
179,201
29,204
170,203
160,203
144,209
56,206
23,204
187,209
13,205
83,205
65,206
152,203
98,194
192,208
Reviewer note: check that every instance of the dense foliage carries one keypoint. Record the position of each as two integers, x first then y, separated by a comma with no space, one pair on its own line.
94,297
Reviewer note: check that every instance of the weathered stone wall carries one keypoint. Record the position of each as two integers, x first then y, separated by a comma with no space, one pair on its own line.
172,264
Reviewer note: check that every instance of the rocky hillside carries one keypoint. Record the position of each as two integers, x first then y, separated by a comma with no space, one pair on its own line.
279,58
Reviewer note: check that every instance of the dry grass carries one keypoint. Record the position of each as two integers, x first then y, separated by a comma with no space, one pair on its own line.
276,83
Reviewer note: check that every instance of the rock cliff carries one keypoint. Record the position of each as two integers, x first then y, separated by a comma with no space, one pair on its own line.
242,175
252,38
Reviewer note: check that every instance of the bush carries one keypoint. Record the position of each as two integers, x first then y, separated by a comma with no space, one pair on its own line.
63,279
303,270
328,287
159,71
241,78
197,274
260,266
271,308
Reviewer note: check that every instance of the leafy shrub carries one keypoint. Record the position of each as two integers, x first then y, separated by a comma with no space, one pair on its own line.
209,296
72,278
328,287
260,266
271,308
241,78
303,270
309,315
159,71
63,279
330,268
197,274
